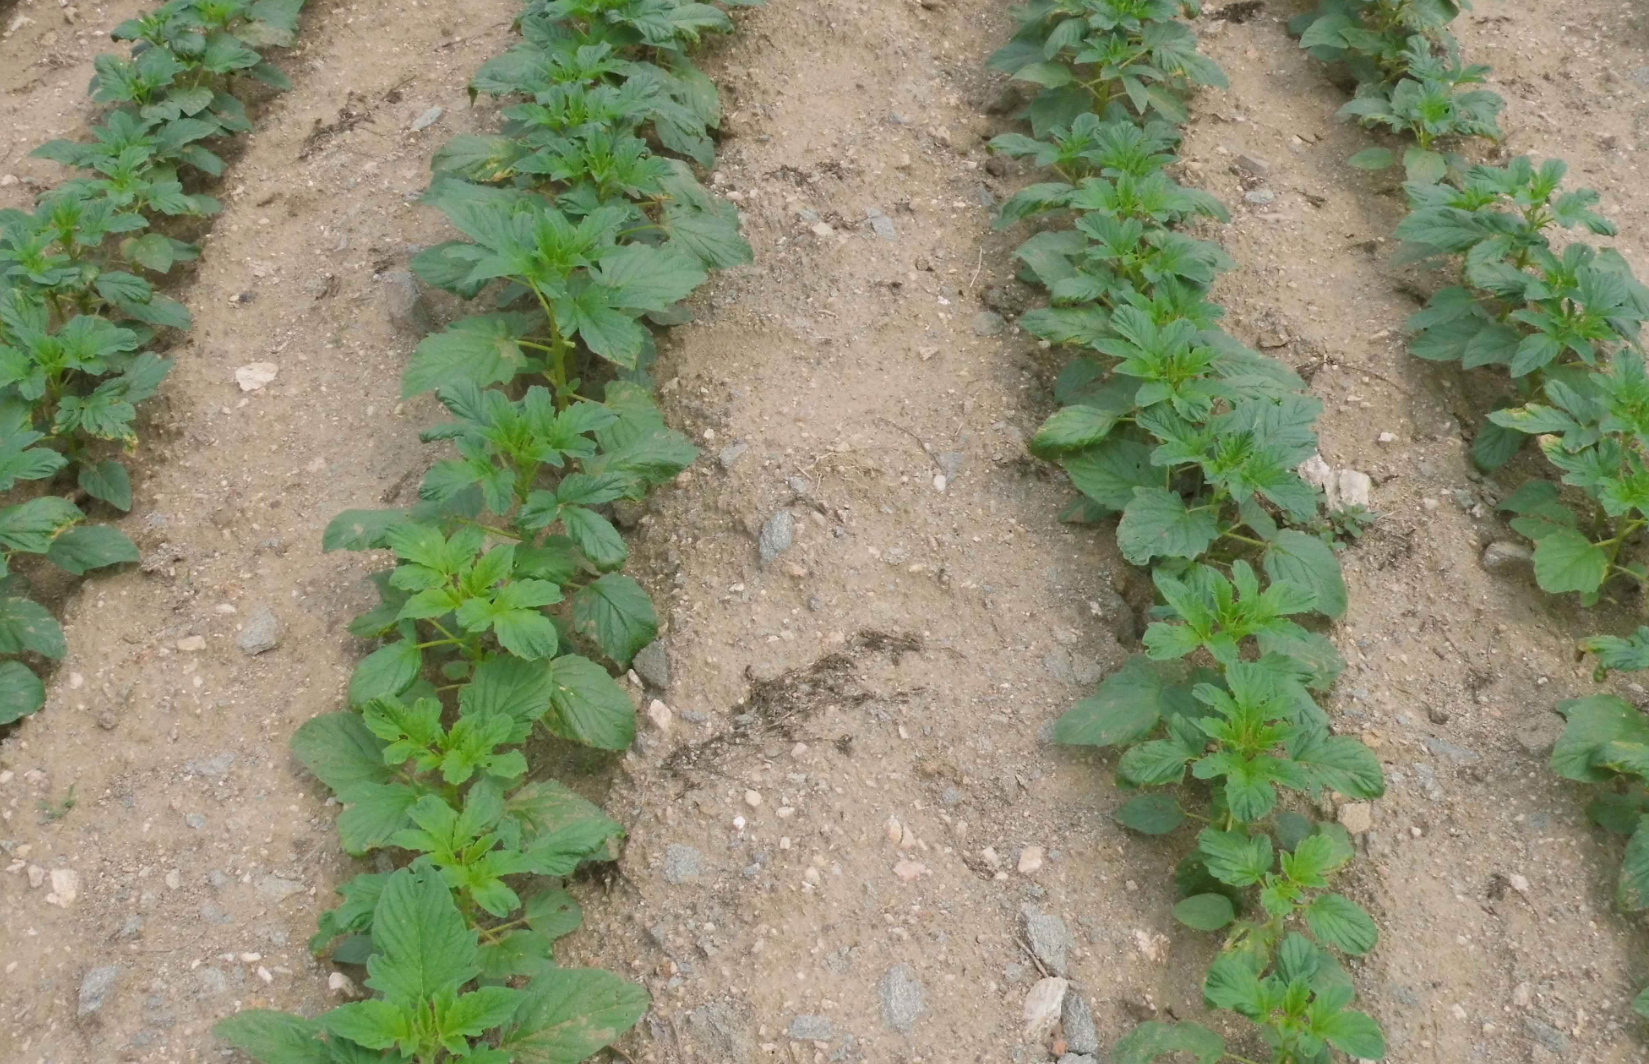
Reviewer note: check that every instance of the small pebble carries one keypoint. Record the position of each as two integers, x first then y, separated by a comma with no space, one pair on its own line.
1030,860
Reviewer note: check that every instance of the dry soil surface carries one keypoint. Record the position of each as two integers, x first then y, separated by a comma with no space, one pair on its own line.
833,846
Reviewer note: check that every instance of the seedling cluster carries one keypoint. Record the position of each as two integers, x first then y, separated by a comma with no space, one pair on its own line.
81,322
1564,318
1193,439
506,603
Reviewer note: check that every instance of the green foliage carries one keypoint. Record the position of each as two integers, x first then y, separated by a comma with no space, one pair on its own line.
1564,318
1410,79
79,312
1194,442
506,590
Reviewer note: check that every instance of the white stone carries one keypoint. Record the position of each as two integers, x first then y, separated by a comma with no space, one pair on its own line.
660,715
1042,1008
254,375
1357,817
192,642
1030,859
753,799
65,887
894,830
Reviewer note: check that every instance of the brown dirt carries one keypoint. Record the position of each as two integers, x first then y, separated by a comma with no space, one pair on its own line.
850,369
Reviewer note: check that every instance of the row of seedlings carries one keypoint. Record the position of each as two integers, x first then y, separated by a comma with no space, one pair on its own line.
1193,439
506,603
1562,319
81,322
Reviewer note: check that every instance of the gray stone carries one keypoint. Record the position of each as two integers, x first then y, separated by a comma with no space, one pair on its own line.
1076,1058
951,462
1503,556
1640,75
682,864
901,994
732,453
214,915
212,980
261,632
215,768
627,513
1252,164
1260,196
988,323
218,880
132,928
427,119
950,797
405,304
95,988
812,1029
1077,1020
881,224
195,820
777,535
273,888
652,664
1547,1035
983,195
1458,754
1047,936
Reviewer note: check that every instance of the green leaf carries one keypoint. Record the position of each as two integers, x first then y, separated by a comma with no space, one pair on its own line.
425,949
1150,814
387,671
1615,653
31,526
520,952
27,625
1050,75
482,350
1594,722
21,691
596,537
375,813
1424,167
109,482
1080,426
341,752
1109,472
91,547
1372,159
617,614
1157,524
1640,1004
1233,857
152,251
568,1014
1633,890
272,1037
1342,923
1338,762
1205,912
1353,1033
553,913
589,706
525,633
1126,707
1153,1039
1565,560
361,529
1232,984
475,1013
1307,561
518,688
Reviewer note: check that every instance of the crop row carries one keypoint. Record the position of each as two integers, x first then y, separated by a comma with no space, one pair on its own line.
81,322
581,222
1194,440
1563,322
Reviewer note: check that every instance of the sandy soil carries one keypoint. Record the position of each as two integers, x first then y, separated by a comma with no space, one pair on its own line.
904,657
